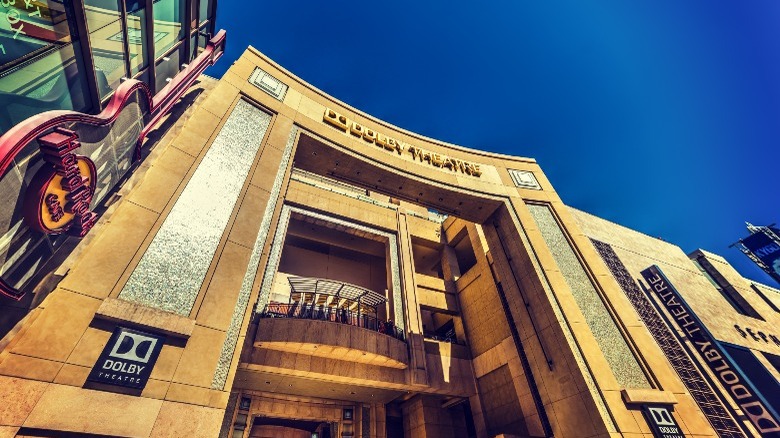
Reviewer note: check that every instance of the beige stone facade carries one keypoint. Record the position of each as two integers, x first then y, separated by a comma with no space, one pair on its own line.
737,312
362,281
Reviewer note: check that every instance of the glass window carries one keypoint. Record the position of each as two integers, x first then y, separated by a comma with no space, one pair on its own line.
168,24
193,15
39,67
198,42
27,28
29,265
203,38
194,45
167,68
136,35
22,251
53,80
104,22
205,9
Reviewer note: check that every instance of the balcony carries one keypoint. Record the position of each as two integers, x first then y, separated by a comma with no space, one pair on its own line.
332,319
330,314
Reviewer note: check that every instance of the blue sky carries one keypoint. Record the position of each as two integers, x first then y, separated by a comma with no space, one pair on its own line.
663,116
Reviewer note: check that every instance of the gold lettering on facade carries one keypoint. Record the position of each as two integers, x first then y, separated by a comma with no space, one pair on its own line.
391,144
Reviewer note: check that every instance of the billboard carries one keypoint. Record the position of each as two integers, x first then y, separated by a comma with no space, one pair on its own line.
767,249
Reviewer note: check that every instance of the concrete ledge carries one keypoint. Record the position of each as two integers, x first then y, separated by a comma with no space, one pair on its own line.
446,349
117,310
331,340
71,409
648,396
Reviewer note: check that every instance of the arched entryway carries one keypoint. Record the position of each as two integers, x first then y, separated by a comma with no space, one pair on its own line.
268,427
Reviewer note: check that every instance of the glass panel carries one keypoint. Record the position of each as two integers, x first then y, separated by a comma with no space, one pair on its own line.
16,239
17,242
136,34
193,15
199,40
203,38
27,27
29,265
11,223
168,68
194,46
53,81
205,8
104,22
172,270
112,147
168,24
143,76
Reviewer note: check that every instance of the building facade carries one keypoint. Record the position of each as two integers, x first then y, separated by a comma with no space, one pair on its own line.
717,328
282,264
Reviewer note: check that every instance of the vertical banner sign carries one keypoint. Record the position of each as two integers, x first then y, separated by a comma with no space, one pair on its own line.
127,359
766,249
661,422
740,390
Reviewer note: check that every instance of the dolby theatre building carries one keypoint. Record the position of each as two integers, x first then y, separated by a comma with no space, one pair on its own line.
267,261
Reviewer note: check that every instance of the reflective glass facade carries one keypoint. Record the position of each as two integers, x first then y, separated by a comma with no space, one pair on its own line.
72,55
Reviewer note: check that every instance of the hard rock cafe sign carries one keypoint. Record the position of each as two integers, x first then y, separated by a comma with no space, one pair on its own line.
49,190
59,196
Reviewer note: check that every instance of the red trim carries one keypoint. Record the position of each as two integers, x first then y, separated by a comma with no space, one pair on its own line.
13,141
10,292
38,32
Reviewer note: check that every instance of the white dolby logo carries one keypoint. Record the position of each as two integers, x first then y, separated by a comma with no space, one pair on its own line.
135,347
661,416
127,359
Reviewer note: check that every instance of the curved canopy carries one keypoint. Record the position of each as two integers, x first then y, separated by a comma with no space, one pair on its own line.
338,289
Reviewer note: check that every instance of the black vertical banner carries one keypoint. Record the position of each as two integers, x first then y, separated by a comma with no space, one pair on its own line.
767,250
738,387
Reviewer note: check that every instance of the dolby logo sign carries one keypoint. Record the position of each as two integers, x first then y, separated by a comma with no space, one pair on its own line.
661,421
128,358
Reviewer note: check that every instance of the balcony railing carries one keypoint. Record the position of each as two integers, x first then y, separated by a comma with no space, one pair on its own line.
332,314
452,339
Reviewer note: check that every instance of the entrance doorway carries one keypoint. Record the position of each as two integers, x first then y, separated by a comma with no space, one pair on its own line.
268,427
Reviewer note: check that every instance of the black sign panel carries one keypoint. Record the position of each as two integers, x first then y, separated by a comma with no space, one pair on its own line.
128,358
661,421
766,249
721,365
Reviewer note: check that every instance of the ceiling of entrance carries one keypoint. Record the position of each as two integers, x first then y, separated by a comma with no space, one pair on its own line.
317,156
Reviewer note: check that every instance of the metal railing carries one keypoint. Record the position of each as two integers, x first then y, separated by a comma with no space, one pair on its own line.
452,339
332,314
